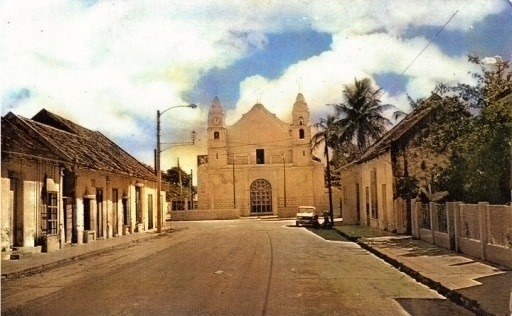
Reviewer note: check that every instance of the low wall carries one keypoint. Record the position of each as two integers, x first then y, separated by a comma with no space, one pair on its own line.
471,247
500,255
201,215
287,212
426,235
479,230
442,240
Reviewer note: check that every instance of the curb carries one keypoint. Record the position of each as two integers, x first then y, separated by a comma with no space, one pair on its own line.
44,267
453,296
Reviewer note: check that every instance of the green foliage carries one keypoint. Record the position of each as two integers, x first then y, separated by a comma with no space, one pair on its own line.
359,116
488,156
357,122
480,165
176,176
406,187
429,158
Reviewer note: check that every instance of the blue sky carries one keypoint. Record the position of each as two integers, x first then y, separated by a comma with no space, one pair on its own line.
109,65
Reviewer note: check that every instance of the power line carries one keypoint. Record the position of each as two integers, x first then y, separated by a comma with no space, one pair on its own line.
424,49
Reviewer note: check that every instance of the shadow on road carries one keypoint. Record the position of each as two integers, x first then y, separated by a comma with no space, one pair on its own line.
328,234
425,306
492,292
413,249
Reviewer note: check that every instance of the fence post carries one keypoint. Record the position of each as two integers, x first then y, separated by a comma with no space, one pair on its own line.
456,221
414,219
431,209
451,224
482,224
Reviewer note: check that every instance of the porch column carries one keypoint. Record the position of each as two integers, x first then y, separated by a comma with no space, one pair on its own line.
78,226
62,213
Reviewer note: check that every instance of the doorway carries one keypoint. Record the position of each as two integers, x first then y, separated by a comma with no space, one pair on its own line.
261,197
99,213
115,213
17,211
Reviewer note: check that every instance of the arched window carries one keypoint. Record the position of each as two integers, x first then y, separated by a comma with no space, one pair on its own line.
216,135
301,133
301,121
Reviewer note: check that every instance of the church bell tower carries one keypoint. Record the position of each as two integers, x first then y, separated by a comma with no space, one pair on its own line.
217,134
301,132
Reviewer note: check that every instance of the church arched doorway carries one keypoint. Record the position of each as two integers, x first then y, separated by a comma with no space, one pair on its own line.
261,197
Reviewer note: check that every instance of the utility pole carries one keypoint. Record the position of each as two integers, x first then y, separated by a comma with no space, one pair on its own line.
234,187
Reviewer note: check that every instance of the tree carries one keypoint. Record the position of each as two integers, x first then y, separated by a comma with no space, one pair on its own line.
326,136
434,153
360,114
483,166
176,176
413,104
488,156
493,80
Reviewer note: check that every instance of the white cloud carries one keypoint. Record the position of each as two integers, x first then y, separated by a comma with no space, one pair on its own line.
111,65
324,76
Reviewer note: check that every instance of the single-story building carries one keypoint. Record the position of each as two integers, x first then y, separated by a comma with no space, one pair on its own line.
63,183
371,185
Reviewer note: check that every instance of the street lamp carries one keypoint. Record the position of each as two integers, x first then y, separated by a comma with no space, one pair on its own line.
157,164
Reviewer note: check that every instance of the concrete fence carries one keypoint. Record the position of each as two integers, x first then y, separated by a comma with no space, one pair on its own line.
479,230
201,215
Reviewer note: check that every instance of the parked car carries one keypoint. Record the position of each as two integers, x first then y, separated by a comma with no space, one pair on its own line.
306,216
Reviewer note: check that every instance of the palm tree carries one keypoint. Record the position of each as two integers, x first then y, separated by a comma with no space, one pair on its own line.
360,114
415,105
326,136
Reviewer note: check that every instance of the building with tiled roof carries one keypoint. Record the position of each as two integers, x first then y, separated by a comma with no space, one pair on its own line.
369,185
63,183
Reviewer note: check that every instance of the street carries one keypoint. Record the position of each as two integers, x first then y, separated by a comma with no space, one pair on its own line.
238,267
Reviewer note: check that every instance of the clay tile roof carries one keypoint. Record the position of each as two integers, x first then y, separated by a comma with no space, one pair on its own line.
20,139
88,149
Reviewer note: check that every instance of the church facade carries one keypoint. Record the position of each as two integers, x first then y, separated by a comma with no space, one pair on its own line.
260,165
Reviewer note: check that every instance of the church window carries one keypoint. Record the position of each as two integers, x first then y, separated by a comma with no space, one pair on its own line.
301,133
301,121
260,156
216,135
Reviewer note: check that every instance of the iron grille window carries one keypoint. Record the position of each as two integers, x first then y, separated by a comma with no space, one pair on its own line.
49,215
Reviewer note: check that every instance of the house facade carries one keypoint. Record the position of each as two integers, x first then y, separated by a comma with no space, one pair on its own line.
371,186
62,184
261,164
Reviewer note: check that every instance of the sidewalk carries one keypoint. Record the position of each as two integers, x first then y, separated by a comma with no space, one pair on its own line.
479,286
38,262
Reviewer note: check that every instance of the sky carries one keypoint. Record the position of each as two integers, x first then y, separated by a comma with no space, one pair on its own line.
110,65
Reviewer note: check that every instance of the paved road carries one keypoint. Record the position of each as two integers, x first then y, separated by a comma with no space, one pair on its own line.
241,267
